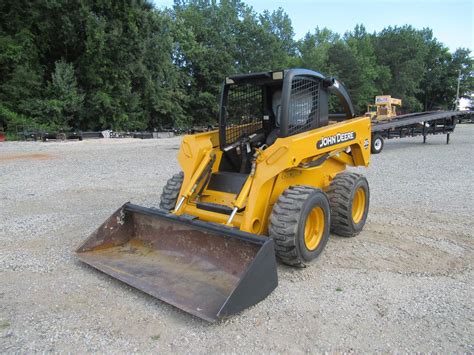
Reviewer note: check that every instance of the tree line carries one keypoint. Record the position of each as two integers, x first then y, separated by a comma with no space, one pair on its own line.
126,65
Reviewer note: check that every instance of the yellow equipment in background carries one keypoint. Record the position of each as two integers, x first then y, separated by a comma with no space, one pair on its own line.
271,181
384,109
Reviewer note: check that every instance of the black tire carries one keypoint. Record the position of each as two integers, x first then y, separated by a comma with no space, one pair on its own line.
341,194
288,221
170,193
376,146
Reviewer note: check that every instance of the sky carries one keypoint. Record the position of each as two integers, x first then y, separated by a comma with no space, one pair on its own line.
450,20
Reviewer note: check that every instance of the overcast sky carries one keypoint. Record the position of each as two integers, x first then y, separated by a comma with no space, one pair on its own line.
450,20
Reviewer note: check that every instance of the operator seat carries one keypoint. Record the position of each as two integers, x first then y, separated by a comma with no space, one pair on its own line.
276,108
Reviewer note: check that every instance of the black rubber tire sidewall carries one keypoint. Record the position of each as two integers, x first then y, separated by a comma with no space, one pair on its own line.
373,150
316,199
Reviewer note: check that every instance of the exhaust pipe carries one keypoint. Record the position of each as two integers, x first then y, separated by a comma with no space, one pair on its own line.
206,269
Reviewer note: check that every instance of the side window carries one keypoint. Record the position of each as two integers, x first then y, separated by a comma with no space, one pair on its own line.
303,106
244,111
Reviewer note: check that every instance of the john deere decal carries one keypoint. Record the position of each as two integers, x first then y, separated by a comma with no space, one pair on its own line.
335,139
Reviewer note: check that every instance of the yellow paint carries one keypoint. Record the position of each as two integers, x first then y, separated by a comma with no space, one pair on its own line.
278,167
219,197
358,205
384,109
314,228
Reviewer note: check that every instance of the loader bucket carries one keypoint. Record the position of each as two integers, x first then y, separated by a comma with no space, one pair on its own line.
205,269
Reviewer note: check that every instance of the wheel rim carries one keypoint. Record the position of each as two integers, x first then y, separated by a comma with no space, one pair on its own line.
358,205
377,144
314,228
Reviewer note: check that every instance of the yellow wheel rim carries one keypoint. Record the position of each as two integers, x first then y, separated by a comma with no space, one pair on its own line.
358,205
314,228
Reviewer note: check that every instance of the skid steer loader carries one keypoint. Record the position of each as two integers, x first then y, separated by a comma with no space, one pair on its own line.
271,181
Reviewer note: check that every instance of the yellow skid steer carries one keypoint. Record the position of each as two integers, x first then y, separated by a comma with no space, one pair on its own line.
270,183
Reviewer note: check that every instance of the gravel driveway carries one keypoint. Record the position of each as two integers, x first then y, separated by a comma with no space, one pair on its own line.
405,283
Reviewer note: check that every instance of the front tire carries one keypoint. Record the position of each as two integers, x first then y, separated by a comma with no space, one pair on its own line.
299,225
349,197
170,193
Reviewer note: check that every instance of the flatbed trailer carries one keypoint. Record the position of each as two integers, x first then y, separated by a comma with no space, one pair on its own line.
417,124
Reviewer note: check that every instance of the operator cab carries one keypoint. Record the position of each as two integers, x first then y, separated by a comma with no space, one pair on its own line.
257,109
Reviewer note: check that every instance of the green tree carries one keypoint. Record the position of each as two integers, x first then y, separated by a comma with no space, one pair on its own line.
64,99
314,47
220,39
462,66
403,51
369,78
127,65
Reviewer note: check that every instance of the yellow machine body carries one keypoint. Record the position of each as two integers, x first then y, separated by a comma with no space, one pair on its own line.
269,183
384,109
285,163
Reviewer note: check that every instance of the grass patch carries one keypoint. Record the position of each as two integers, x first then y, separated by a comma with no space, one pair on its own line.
155,337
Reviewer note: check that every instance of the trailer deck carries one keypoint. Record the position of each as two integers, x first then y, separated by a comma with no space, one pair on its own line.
417,124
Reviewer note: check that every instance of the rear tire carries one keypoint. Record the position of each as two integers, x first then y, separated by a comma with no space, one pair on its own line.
349,197
170,193
299,225
376,144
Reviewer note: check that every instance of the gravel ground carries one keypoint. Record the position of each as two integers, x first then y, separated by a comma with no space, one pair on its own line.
404,284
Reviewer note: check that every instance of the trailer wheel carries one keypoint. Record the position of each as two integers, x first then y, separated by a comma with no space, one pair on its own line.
377,144
349,199
170,193
299,225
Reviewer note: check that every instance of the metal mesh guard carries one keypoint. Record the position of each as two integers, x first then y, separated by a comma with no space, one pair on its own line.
303,110
244,111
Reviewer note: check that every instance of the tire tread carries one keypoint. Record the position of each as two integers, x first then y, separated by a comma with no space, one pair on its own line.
339,194
170,193
283,226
